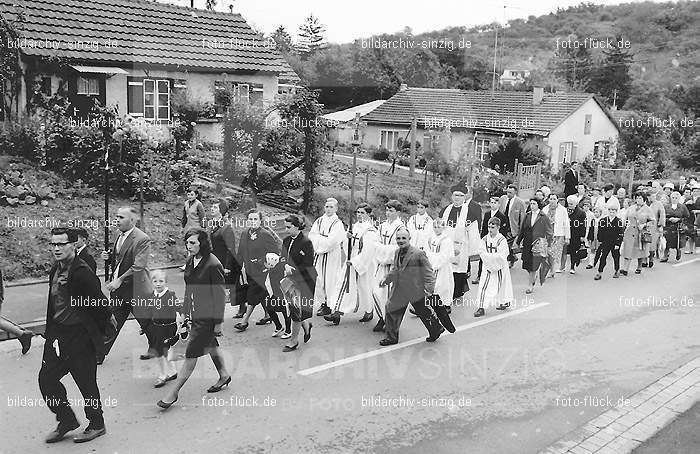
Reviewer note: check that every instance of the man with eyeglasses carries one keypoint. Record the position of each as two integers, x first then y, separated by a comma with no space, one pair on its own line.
131,285
76,321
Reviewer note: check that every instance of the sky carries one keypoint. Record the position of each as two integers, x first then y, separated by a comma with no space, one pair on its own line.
347,21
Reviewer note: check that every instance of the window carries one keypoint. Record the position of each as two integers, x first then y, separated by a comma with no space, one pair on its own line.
389,139
242,92
88,86
46,86
149,98
567,152
587,125
601,150
482,149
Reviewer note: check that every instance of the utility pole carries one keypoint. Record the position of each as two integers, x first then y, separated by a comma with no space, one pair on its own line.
493,77
412,163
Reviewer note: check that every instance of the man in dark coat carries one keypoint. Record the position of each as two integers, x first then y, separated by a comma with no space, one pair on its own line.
81,249
413,280
76,321
571,180
577,222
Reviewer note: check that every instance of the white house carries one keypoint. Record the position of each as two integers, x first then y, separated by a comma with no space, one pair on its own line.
569,126
138,55
513,77
341,123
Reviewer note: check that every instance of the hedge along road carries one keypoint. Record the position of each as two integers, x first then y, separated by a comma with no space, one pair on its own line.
509,385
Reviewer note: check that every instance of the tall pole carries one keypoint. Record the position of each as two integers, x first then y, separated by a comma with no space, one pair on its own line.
493,78
106,182
366,183
412,163
355,144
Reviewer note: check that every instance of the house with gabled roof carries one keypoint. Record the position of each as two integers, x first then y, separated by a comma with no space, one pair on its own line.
568,126
138,55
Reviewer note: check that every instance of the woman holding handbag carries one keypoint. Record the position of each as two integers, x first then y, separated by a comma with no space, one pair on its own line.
205,299
640,222
676,217
535,236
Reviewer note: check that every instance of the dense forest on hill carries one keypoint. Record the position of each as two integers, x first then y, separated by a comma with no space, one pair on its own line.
660,60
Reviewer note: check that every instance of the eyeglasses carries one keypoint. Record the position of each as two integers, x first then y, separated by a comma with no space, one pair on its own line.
60,244
360,212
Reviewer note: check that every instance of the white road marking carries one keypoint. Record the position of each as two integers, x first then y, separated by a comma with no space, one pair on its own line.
391,348
686,262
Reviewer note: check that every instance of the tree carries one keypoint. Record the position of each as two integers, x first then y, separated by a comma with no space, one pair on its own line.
10,70
611,78
310,36
283,41
573,63
210,5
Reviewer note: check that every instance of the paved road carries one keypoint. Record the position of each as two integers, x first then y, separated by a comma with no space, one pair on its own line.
507,383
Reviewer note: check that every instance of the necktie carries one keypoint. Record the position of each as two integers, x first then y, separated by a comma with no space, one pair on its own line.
120,242
508,207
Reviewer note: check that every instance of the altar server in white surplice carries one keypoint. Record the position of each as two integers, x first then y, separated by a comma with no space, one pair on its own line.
385,249
495,286
354,290
327,235
440,255
420,226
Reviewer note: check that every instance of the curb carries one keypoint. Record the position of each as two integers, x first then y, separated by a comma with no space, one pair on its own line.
623,428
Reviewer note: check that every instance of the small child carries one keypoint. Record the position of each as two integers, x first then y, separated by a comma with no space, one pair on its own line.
440,253
274,267
420,226
610,234
163,325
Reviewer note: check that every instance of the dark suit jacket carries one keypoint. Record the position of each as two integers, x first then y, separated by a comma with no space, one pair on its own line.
251,254
413,279
473,212
87,258
505,225
85,292
205,291
301,258
611,231
529,233
131,264
223,244
570,183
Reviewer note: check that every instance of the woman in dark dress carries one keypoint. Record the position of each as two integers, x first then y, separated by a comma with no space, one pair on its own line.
205,299
298,253
223,242
676,217
254,245
535,236
577,222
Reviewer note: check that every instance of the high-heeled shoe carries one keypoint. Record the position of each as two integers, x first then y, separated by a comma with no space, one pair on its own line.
165,405
26,340
217,388
307,334
241,326
288,349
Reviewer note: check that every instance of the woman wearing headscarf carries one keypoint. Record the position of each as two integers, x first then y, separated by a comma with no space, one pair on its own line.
640,222
676,217
535,236
577,224
657,209
223,242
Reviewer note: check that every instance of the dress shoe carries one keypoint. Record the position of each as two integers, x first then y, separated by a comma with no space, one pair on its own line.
288,348
638,271
160,383
435,334
589,266
89,434
475,281
171,377
239,315
217,388
480,312
678,255
165,405
307,334
264,321
286,336
61,430
387,341
664,260
146,356
616,275
651,263
623,272
367,317
644,264
26,340
597,277
379,327
502,307
324,310
334,317
278,332
241,326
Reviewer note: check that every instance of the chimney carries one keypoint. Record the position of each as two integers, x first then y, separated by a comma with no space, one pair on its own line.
537,95
403,87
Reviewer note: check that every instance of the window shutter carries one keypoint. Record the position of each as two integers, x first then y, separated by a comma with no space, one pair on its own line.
562,151
134,102
573,151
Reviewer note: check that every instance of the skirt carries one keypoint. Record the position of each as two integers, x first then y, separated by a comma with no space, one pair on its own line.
201,339
256,293
158,335
301,304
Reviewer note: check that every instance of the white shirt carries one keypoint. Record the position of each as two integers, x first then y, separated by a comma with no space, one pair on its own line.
196,261
533,217
79,250
160,295
560,220
122,238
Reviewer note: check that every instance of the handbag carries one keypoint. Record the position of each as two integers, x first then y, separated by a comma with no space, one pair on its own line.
582,253
178,343
646,237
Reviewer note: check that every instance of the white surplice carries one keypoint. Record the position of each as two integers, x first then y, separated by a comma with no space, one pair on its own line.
421,229
385,248
465,238
440,254
327,235
354,290
495,286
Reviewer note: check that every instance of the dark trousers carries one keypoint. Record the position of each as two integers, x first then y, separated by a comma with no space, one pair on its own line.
394,318
121,312
435,303
77,357
461,285
604,249
275,306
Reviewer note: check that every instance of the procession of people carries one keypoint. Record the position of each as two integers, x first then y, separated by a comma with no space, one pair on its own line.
372,267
